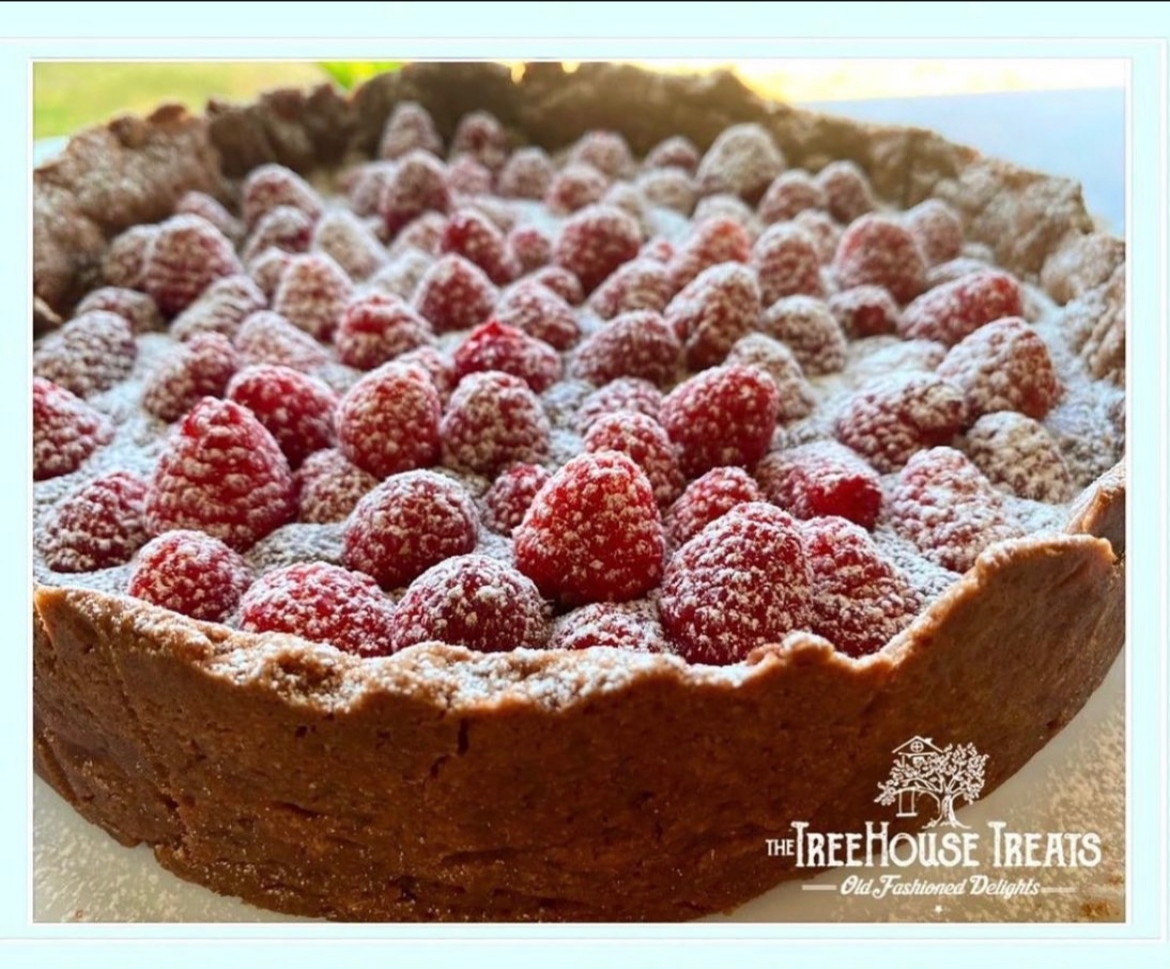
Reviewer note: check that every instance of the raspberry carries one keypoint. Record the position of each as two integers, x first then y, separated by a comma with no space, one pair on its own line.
210,210
860,601
726,206
407,524
190,573
267,337
625,393
562,282
593,533
284,228
629,199
529,248
638,344
1003,366
790,194
594,241
645,442
270,186
722,416
1020,456
865,311
891,417
199,368
417,185
186,256
312,293
954,310
97,527
944,505
498,212
350,243
221,308
480,135
822,478
329,486
710,243
787,263
743,160
824,232
952,269
612,625
847,191
402,274
297,410
224,474
66,430
124,260
466,176
540,313
322,603
363,186
506,501
472,236
877,250
455,294
607,151
574,187
267,268
135,308
376,328
389,421
436,366
642,284
526,174
707,498
669,188
742,582
714,310
493,419
775,359
493,346
408,128
811,332
658,249
89,354
423,233
937,229
472,601
674,152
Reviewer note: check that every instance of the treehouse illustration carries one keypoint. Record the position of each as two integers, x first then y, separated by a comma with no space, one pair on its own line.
921,768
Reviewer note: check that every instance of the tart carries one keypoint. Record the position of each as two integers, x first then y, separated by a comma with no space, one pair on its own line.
492,498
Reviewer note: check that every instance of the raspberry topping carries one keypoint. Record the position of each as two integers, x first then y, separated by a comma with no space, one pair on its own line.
322,603
713,311
435,365
847,191
296,409
790,194
786,260
221,308
593,533
186,256
625,393
466,176
417,185
676,151
526,174
614,625
408,127
732,208
267,337
285,228
506,501
1019,455
480,135
266,269
375,328
137,309
574,187
743,160
865,311
877,250
642,284
494,346
210,210
329,486
529,247
402,274
424,233
190,573
809,329
493,419
97,527
937,229
670,188
540,313
709,497
200,368
562,282
125,259
954,310
471,235
711,242
270,186
824,232
88,354
66,430
607,151
596,240
350,243
639,344
389,420
312,293
455,294
775,359
822,478
643,439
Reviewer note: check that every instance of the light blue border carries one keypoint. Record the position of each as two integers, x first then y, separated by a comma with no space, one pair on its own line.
721,944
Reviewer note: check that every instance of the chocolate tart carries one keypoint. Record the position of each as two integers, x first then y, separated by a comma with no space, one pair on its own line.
442,782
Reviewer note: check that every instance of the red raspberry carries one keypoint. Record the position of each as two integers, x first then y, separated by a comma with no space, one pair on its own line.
66,430
284,228
710,243
347,240
877,250
224,474
322,603
472,236
847,191
1003,366
742,582
135,308
722,416
407,524
955,310
629,199
1019,455
562,282
423,233
643,439
642,284
493,346
186,257
937,229
892,417
669,188
402,274
944,505
707,498
506,501
472,601
267,337
527,174
529,248
638,344
594,241
124,260
455,294
822,478
658,249
713,311
97,527
190,573
435,365
674,152
329,487
267,268
418,185
312,293
89,354
409,127
210,210
271,186
743,160
480,135
730,207
625,393
376,328
811,332
199,368
221,308
297,410
775,359
952,269
607,151
466,176
493,419
389,420
824,232
593,533
574,187
611,625
363,186
790,194
860,601
540,313
787,263
865,311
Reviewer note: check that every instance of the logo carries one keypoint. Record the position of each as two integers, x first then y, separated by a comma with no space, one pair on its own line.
923,771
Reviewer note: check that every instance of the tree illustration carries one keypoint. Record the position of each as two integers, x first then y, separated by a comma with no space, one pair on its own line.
947,775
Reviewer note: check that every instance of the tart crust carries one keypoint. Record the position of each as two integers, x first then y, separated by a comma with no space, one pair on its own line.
444,784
